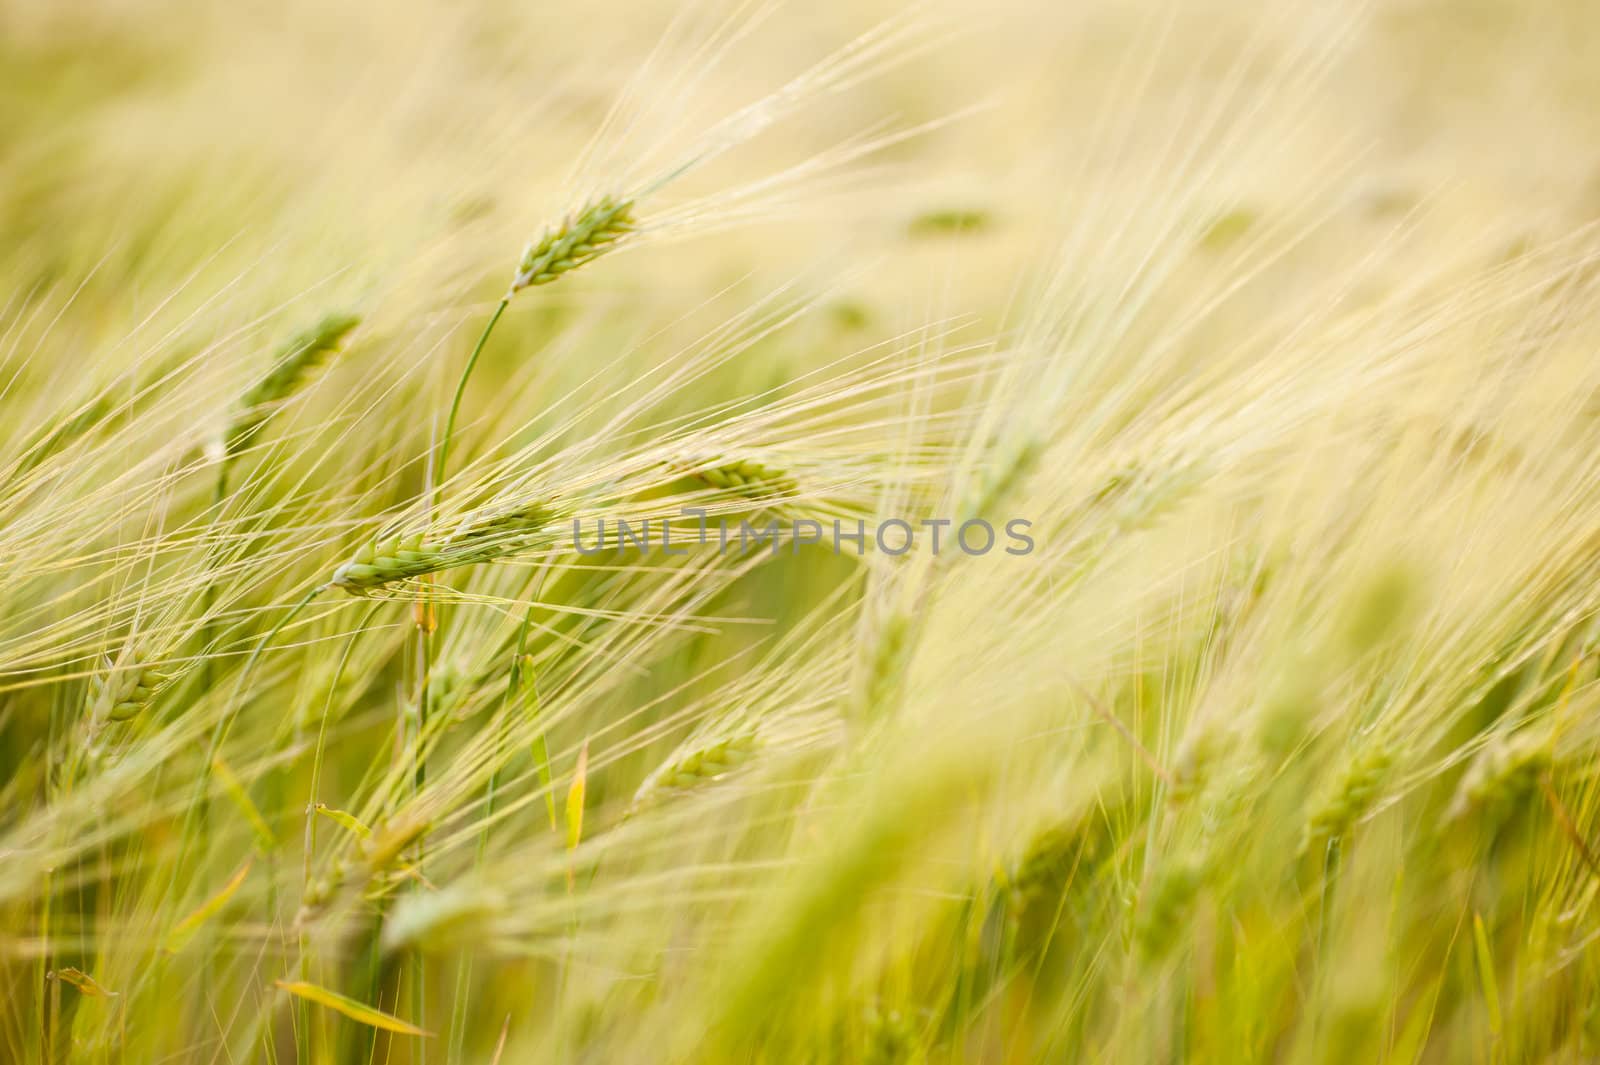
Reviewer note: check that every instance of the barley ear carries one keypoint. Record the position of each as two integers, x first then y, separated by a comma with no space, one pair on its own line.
582,238
750,478
122,695
1351,797
698,766
1165,905
481,537
307,353
1504,773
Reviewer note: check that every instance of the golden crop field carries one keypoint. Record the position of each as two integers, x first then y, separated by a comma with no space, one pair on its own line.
755,532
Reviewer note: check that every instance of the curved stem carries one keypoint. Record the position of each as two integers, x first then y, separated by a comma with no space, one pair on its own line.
461,388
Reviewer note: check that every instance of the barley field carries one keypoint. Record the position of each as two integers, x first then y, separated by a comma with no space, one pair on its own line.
759,532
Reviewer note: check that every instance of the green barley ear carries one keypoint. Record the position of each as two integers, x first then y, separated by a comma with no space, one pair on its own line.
120,695
698,766
890,1037
1165,905
116,696
481,537
1050,859
1350,798
307,353
581,239
1505,772
750,478
377,852
885,667
1192,766
1015,463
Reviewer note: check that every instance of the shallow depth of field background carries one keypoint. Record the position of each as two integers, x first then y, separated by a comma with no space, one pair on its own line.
1279,321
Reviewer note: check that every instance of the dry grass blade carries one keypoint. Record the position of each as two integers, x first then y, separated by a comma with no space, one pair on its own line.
185,929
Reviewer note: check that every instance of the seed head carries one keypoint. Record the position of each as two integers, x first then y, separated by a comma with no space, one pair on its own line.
749,477
122,694
302,357
581,239
1504,773
1165,906
481,537
1351,796
698,766
1048,861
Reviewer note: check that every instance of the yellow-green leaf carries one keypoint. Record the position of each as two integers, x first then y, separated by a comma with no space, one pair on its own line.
359,1012
85,983
580,781
186,928
349,821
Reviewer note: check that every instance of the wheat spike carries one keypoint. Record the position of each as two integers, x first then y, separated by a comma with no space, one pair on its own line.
120,695
1504,772
1193,764
886,666
1165,906
582,238
478,538
749,477
698,766
1048,860
1349,800
302,357
1001,481
376,852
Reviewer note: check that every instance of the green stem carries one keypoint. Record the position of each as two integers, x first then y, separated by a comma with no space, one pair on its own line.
441,457
461,388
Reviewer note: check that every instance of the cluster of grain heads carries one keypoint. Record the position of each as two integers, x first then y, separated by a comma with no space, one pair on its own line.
1353,793
307,353
582,238
697,766
479,537
1164,905
1505,772
749,477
